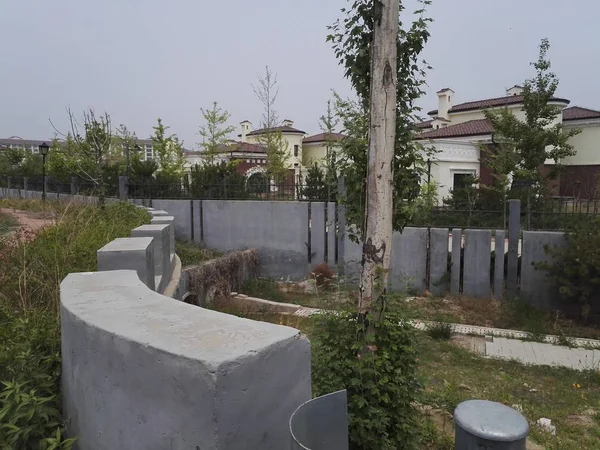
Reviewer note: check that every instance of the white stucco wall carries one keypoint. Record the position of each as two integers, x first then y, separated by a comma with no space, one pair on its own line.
452,157
586,144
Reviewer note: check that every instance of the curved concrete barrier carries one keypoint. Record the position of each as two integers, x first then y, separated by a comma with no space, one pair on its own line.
142,371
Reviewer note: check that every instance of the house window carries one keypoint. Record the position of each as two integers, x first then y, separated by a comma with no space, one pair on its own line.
462,180
149,154
296,150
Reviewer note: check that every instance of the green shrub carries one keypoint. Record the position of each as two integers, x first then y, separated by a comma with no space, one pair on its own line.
575,270
381,383
440,331
30,365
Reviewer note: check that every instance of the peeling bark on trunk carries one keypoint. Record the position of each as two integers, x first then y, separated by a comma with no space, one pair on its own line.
382,135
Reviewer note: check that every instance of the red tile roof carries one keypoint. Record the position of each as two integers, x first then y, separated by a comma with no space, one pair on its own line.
470,128
322,137
424,125
579,113
244,147
492,103
283,129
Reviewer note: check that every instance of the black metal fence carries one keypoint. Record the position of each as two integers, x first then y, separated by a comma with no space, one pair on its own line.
559,214
244,190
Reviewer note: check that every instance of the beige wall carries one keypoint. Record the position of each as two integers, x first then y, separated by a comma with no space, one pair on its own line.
586,144
291,139
314,153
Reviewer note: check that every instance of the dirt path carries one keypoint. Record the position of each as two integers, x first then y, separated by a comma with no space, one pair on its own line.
27,220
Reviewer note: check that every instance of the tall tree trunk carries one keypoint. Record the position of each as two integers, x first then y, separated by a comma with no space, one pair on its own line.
382,135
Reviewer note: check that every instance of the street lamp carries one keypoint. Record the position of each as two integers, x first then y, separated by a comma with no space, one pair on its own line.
44,148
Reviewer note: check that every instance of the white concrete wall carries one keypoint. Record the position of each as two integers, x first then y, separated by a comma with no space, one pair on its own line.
451,157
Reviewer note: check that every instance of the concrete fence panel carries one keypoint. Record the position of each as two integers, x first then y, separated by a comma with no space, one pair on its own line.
476,265
278,230
181,210
331,234
499,264
409,260
142,371
317,233
438,261
535,286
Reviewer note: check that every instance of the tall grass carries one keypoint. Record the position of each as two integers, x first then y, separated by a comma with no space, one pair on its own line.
32,266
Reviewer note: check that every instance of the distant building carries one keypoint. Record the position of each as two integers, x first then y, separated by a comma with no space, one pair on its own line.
459,131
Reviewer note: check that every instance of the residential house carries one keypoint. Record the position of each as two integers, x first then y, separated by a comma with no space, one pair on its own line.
302,150
458,133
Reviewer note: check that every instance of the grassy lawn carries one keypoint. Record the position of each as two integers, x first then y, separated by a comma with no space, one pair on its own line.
451,374
192,253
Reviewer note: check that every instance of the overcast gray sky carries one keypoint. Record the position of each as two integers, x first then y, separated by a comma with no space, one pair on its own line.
141,59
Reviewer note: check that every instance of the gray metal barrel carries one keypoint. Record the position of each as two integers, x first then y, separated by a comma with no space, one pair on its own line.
481,424
321,423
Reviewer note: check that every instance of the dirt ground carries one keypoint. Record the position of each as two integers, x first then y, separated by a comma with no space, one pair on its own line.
28,220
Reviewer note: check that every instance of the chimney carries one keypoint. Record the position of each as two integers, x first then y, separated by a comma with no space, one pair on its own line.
245,125
515,90
288,123
444,102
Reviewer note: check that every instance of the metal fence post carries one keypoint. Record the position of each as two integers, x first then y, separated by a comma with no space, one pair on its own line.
25,183
73,185
123,187
514,232
8,182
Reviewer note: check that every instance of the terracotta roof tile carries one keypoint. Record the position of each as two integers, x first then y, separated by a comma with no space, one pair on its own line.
245,147
470,128
492,103
579,113
322,137
283,129
424,125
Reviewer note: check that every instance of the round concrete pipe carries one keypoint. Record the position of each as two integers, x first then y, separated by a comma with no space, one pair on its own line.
490,425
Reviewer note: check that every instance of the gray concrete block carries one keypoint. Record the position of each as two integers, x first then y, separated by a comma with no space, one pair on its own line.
409,260
476,272
535,287
456,257
181,210
141,371
317,233
499,265
161,249
158,212
129,254
279,230
438,261
331,234
169,220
